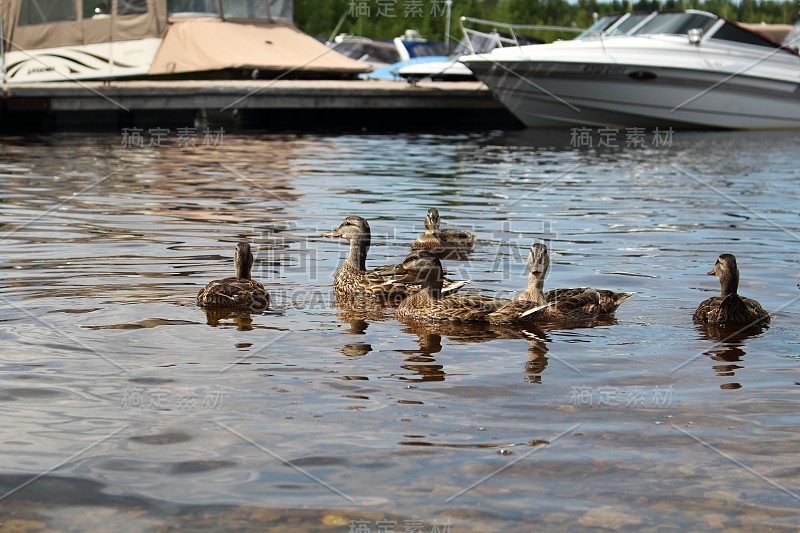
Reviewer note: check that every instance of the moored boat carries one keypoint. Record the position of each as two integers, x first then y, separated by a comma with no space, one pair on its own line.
687,69
67,40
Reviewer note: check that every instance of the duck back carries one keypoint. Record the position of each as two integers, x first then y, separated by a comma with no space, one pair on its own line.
731,309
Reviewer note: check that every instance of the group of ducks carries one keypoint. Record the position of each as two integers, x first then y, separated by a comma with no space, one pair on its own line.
424,294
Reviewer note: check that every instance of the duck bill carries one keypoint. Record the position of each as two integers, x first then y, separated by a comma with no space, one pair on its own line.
711,273
332,235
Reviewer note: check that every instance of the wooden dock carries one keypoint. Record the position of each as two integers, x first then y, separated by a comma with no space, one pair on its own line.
318,105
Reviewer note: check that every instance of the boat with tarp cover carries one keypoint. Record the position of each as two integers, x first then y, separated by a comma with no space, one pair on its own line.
59,40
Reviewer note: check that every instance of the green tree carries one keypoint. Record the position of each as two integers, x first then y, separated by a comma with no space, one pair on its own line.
369,18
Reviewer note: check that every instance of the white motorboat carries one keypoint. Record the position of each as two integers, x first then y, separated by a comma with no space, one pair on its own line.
449,68
687,69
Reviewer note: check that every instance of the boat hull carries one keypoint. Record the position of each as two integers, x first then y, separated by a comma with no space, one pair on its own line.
568,94
117,59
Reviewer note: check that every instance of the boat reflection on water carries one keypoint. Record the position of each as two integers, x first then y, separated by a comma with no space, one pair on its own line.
730,348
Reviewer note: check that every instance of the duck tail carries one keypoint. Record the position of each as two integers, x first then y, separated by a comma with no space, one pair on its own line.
455,286
534,310
620,297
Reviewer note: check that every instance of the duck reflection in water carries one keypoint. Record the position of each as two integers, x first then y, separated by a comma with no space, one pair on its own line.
430,338
227,316
730,348
537,355
420,362
356,320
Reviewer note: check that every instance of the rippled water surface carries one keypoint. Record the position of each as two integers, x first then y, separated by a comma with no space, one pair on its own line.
127,407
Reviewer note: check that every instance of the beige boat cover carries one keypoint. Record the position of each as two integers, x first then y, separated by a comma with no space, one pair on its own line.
212,44
98,29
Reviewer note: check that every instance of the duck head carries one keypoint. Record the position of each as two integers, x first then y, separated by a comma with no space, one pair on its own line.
538,260
538,264
355,230
728,273
432,220
420,268
243,260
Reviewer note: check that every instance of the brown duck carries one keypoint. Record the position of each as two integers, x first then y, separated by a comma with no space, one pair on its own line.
533,305
239,291
354,280
430,304
441,241
729,308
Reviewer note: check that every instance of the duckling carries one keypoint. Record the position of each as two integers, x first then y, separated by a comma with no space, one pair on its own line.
533,305
430,304
729,308
353,279
441,241
239,291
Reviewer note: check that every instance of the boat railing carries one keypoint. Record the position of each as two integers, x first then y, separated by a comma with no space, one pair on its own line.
510,29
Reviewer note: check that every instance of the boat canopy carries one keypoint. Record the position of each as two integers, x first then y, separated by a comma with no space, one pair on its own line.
212,44
36,24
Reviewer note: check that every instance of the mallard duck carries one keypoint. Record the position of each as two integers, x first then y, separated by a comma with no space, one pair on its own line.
533,305
441,241
354,280
239,291
729,308
430,304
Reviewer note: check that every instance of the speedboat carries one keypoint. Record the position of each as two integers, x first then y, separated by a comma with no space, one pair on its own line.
412,50
450,69
375,54
689,69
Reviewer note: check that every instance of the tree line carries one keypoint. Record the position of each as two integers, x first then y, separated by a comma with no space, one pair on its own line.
385,19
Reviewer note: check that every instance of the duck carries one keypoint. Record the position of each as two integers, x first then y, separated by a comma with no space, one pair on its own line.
729,308
440,241
239,291
431,303
533,305
353,280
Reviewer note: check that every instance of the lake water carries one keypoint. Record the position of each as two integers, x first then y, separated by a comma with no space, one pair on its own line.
126,407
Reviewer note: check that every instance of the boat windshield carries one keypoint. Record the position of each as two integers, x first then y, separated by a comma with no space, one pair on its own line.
424,48
598,27
194,7
677,23
628,24
793,39
231,9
